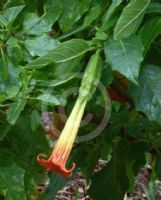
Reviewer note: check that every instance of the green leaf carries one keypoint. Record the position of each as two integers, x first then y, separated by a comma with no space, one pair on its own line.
153,28
50,99
5,128
111,182
109,15
11,178
11,13
56,183
58,81
72,67
64,52
14,110
136,154
92,15
90,151
125,56
9,4
40,45
14,51
35,25
11,90
12,85
130,19
107,76
3,21
71,12
35,120
154,8
53,10
147,96
26,145
4,64
157,166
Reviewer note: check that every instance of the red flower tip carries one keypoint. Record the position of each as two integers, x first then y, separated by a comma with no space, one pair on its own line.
55,165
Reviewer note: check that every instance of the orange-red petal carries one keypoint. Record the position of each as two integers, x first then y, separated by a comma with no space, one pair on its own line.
55,165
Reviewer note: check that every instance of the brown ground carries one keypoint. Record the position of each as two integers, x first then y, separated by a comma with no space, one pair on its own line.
77,188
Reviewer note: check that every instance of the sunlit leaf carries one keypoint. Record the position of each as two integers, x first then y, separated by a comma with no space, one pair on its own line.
11,13
11,178
14,110
149,31
130,19
70,14
40,45
64,52
125,56
147,96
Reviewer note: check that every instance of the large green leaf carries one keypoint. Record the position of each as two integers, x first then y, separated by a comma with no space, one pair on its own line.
11,178
12,85
11,13
3,21
93,14
5,128
130,19
35,25
147,96
53,100
35,120
125,56
90,151
71,12
154,8
64,52
56,183
14,50
109,15
57,81
53,10
150,30
14,110
132,154
157,165
111,183
13,3
4,64
72,66
59,73
40,45
26,145
115,179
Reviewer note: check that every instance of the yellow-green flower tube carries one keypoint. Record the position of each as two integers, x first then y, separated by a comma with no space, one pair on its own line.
59,156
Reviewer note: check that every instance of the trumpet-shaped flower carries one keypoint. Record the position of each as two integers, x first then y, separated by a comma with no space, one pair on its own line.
59,156
63,147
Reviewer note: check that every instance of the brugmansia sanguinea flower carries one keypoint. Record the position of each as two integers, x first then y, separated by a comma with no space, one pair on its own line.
59,156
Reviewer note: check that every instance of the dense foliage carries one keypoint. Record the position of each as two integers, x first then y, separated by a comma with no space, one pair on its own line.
45,46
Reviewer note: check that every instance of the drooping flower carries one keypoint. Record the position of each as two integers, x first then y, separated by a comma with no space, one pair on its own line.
59,156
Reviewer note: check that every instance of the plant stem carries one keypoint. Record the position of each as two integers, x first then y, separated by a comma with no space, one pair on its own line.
71,33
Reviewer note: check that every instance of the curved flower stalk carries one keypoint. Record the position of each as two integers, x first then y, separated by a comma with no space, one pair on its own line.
59,156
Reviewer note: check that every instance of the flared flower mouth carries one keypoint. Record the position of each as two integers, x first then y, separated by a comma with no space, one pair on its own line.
55,165
59,156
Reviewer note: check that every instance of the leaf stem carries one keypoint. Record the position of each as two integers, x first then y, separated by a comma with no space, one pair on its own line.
71,33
